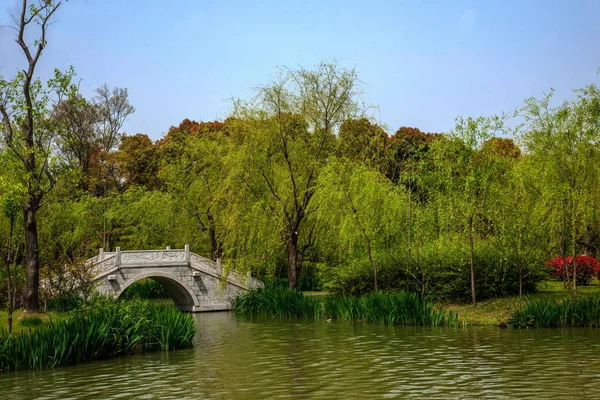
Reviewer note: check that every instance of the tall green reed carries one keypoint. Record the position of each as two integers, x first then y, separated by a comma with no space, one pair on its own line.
102,329
400,308
582,312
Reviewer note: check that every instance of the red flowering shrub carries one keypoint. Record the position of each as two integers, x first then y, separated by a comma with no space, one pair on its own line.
587,267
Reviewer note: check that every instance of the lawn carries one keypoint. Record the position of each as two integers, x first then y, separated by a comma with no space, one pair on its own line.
19,317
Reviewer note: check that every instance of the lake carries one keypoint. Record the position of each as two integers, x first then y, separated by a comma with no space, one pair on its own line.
244,358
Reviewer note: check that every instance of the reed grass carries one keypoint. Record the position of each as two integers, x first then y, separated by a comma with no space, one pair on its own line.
397,308
582,312
103,329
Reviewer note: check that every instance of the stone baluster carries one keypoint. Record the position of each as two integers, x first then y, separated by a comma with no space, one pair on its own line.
249,275
187,253
219,267
118,257
101,254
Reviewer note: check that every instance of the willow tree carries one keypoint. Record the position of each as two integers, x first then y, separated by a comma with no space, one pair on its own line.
564,143
194,172
29,128
463,174
362,208
519,220
11,196
286,135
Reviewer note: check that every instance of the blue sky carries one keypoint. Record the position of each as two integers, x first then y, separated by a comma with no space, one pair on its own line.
423,63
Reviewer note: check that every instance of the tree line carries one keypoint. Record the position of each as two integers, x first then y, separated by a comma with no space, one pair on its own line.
299,182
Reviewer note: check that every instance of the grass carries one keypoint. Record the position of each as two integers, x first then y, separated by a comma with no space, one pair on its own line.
498,311
22,327
400,308
581,312
103,329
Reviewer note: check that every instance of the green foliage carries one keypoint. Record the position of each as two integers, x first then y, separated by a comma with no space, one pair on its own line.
401,308
144,219
439,272
31,322
582,312
521,319
323,201
145,289
65,301
102,329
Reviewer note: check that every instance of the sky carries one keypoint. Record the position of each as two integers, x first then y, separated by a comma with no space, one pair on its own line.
423,63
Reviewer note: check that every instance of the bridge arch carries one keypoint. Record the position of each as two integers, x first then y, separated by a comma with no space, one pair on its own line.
182,294
195,283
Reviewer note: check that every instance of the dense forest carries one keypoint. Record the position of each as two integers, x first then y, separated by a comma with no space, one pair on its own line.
301,183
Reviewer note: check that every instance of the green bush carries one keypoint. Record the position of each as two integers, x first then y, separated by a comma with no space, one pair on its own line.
145,289
101,329
65,302
30,322
521,319
441,265
309,280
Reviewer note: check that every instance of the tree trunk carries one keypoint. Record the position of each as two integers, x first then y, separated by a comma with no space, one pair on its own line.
8,276
32,261
573,237
292,249
409,220
574,274
215,250
374,266
520,281
471,261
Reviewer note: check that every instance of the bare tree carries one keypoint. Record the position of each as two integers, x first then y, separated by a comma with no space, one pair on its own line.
29,128
92,127
78,142
113,108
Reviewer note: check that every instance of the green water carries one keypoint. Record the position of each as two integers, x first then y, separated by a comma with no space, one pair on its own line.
241,358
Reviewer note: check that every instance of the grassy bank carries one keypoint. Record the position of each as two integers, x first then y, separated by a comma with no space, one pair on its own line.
399,308
491,312
580,312
498,311
102,329
25,322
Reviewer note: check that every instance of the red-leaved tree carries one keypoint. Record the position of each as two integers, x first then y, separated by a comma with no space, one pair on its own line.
587,267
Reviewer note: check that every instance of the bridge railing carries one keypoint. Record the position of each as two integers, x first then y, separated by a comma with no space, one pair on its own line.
217,269
107,262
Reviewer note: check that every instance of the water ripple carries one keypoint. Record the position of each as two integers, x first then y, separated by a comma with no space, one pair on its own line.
237,358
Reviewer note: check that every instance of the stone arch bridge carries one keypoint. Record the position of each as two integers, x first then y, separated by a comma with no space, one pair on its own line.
195,283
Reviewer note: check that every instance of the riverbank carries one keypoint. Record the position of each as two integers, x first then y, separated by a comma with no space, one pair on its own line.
496,312
489,312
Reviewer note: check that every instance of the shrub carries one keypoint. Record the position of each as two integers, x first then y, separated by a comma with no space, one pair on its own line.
145,289
439,270
65,302
587,267
30,322
521,319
